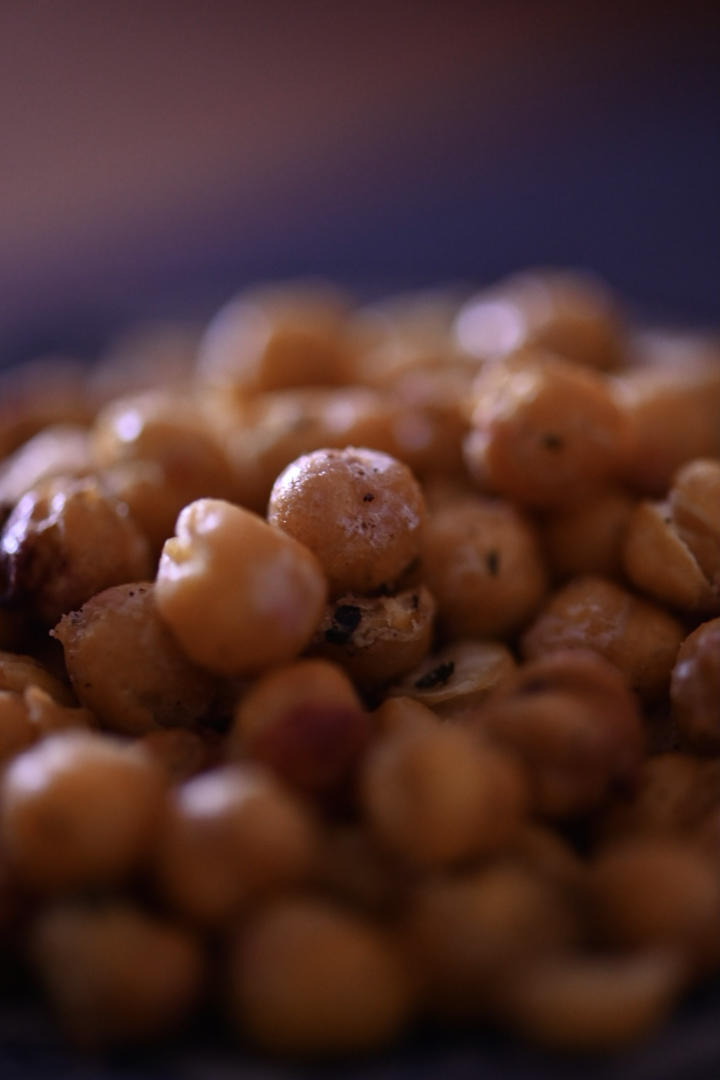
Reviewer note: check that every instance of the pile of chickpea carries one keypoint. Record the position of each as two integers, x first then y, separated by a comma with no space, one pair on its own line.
361,666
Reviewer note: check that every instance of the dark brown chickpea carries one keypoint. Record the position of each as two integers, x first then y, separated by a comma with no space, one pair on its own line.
358,510
494,580
638,637
78,809
588,538
695,507
65,541
119,630
115,974
355,870
695,687
182,754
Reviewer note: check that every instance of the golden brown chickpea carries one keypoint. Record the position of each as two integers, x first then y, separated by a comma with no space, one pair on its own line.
78,809
355,870
180,753
638,637
125,665
55,451
574,722
48,716
308,978
376,638
695,507
230,835
278,337
115,974
658,893
455,680
65,541
16,729
588,538
237,594
657,561
481,561
548,854
695,687
18,672
358,510
38,394
438,796
305,721
466,932
398,714
544,431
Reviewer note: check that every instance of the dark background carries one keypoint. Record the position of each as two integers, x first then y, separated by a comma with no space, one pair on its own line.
155,156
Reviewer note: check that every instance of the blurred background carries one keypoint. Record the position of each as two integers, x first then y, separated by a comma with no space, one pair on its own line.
156,156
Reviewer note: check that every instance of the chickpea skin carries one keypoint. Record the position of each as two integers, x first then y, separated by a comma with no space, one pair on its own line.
360,511
695,687
237,594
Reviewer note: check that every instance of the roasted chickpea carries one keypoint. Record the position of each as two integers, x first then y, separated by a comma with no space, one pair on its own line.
494,580
638,637
657,561
455,680
309,978
16,728
18,672
694,500
355,870
359,511
544,431
180,753
60,450
588,538
78,809
229,835
115,974
695,687
119,630
65,541
39,394
236,593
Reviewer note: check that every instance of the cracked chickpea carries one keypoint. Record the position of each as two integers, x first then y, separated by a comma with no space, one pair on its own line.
695,687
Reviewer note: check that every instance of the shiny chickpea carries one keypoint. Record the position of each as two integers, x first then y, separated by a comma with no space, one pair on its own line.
305,721
544,432
230,835
119,631
494,580
438,796
358,510
236,593
115,974
588,538
78,809
307,977
454,681
638,637
376,638
65,541
695,687
59,450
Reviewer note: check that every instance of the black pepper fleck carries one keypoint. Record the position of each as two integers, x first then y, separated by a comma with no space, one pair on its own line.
553,442
368,497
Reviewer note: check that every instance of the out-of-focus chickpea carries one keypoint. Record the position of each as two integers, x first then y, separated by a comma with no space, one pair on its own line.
113,973
16,729
658,893
38,394
153,501
145,356
672,418
482,562
638,637
60,450
438,796
78,809
594,1001
588,538
455,680
695,687
307,977
544,431
236,593
570,314
48,716
402,714
358,510
272,338
18,672
65,541
355,870
304,721
126,667
657,561
694,500
548,854
229,835
180,753
572,719
13,629
465,932
377,638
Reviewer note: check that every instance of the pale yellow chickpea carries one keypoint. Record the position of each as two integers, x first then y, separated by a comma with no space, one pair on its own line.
482,562
695,687
237,594
307,977
228,836
588,538
377,638
78,809
437,795
127,668
544,431
113,973
65,541
58,450
360,511
640,638
454,681
305,721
